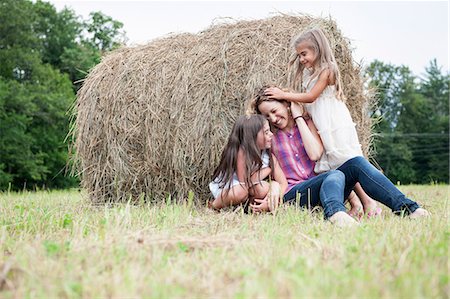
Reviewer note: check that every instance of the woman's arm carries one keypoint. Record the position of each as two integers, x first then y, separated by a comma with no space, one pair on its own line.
278,176
304,97
311,139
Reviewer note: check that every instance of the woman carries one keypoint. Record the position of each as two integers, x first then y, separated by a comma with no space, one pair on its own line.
297,144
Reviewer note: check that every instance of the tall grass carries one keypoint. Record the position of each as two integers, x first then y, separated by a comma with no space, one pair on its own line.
55,244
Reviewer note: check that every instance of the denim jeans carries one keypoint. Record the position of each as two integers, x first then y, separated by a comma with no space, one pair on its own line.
376,185
326,189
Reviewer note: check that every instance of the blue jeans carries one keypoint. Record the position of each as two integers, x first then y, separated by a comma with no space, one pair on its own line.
329,189
376,185
326,190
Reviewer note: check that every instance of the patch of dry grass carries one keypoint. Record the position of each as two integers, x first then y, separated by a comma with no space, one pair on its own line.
58,245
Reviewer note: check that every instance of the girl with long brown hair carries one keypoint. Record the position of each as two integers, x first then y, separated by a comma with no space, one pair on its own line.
245,163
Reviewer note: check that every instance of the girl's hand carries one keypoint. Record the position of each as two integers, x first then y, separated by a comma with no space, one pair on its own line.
274,93
297,109
269,203
260,205
274,196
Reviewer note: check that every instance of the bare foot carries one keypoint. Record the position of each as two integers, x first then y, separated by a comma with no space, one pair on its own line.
374,213
342,219
356,211
419,213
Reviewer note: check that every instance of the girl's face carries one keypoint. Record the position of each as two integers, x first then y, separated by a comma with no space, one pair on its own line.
306,54
264,138
276,112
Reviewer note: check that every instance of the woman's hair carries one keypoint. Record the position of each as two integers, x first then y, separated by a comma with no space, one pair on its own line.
259,97
243,136
318,43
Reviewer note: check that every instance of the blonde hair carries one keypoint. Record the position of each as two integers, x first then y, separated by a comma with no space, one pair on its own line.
325,59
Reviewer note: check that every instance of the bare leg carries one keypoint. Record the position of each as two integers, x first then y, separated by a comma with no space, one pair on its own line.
356,209
370,206
236,195
259,190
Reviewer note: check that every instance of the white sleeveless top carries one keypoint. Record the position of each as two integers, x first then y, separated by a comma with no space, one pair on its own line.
335,126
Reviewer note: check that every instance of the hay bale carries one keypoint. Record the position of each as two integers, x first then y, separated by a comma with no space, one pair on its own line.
153,119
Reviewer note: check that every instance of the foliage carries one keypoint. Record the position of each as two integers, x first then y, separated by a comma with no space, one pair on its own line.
43,53
413,143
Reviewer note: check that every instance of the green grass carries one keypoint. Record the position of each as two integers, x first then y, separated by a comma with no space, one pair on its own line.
55,244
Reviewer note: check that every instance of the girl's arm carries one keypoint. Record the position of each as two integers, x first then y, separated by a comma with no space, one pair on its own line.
241,171
311,139
260,175
278,187
305,97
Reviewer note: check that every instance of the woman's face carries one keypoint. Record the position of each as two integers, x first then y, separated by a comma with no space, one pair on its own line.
276,112
264,138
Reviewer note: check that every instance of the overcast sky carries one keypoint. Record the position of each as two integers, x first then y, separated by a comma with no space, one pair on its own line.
399,32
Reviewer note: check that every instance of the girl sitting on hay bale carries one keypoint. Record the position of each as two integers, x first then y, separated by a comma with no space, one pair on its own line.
245,162
320,79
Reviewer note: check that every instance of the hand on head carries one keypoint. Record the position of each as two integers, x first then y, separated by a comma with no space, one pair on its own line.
274,93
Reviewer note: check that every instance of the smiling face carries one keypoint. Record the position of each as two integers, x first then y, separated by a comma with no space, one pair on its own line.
264,138
277,114
306,54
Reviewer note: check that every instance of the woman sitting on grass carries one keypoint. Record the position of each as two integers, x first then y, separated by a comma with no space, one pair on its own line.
245,163
297,145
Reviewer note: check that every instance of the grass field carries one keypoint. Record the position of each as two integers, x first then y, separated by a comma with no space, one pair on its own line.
54,244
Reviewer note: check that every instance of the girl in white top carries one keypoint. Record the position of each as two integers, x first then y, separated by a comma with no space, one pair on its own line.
245,163
322,94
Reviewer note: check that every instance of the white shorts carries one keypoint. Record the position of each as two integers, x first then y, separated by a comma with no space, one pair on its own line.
216,190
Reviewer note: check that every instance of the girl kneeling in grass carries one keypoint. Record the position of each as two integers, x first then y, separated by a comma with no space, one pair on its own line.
245,163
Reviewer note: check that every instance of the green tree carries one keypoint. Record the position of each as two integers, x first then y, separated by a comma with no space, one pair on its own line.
392,84
435,89
42,52
105,33
56,31
413,132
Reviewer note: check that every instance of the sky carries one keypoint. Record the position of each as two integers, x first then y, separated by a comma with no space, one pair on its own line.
410,33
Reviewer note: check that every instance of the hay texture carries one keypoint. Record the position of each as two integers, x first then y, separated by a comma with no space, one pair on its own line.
152,120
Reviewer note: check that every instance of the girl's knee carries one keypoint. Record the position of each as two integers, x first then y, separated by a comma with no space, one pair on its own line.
260,190
240,193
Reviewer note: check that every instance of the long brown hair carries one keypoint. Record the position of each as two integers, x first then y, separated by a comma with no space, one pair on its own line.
243,136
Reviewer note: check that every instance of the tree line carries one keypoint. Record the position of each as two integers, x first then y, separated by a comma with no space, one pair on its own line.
412,115
45,55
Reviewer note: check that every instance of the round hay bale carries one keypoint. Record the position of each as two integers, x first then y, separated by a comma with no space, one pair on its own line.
152,120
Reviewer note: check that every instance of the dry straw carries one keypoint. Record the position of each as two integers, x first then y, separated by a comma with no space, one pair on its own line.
152,120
